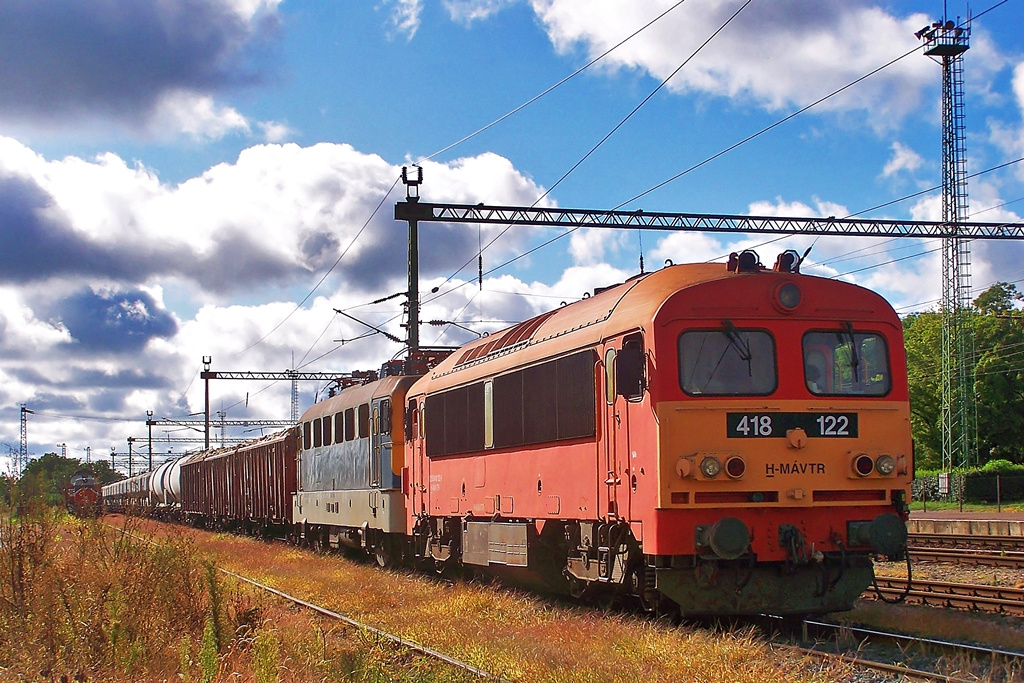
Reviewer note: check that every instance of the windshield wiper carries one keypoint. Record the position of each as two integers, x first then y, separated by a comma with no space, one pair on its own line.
741,345
854,358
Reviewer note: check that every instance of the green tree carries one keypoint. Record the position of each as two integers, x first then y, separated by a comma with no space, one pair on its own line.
922,333
999,373
999,377
48,476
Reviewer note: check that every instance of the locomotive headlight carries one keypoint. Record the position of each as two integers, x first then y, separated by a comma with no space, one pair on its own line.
788,296
885,465
710,467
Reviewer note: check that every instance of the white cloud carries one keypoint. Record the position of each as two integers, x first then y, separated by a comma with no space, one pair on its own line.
196,115
468,11
821,209
405,16
780,55
274,131
212,265
903,159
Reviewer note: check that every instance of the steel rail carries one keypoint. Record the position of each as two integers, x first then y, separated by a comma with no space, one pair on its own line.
976,558
896,670
955,595
935,642
903,670
411,645
979,541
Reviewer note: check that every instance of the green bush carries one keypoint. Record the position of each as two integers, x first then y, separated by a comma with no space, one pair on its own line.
1002,467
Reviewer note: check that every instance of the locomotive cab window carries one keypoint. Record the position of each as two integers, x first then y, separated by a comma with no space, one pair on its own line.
385,417
727,362
846,363
629,369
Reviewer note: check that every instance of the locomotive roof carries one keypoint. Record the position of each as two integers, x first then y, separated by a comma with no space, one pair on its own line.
631,305
353,396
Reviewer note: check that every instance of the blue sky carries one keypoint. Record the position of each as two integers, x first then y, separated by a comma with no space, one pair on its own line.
177,178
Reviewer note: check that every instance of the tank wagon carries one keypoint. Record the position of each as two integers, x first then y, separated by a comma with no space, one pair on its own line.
129,495
709,438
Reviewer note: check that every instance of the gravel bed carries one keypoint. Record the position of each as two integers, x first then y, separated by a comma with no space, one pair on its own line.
955,573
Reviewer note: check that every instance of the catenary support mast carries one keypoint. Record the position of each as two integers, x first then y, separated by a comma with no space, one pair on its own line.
946,42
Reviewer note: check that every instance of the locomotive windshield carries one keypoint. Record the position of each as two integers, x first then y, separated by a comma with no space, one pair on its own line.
727,362
845,362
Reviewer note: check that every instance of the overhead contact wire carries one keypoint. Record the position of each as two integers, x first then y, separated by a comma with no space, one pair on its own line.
601,142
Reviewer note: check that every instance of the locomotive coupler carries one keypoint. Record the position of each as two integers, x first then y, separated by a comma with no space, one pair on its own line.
792,541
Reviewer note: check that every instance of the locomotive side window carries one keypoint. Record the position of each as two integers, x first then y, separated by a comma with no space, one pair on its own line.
318,435
328,432
364,420
727,362
551,401
339,427
307,435
846,363
629,368
350,424
609,376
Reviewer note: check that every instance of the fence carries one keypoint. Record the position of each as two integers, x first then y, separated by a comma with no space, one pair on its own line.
969,487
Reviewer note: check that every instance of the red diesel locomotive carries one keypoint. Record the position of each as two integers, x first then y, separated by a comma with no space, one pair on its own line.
709,438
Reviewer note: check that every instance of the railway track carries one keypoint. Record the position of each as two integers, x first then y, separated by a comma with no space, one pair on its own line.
963,596
379,633
914,652
964,556
1009,544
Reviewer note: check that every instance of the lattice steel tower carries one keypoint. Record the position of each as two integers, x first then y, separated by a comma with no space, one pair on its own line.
949,41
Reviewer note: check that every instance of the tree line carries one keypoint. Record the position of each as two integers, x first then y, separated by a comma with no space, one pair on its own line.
998,327
45,478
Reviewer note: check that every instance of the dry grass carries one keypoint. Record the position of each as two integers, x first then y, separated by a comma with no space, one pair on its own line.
78,605
516,636
81,602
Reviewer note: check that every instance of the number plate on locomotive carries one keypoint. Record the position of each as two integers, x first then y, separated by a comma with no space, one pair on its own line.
768,425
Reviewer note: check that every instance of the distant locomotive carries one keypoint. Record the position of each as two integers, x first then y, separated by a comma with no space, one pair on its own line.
706,439
83,496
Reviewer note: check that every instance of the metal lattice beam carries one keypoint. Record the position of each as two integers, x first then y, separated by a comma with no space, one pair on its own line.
701,222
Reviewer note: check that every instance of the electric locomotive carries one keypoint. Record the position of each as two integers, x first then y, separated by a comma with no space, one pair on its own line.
707,439
349,488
